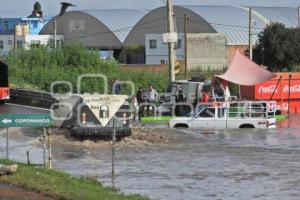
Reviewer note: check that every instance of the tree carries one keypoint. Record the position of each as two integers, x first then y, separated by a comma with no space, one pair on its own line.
278,47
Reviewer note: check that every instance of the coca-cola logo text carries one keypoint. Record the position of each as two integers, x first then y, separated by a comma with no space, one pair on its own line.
294,89
267,90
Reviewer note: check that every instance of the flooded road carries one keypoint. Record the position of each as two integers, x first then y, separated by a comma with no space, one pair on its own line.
241,164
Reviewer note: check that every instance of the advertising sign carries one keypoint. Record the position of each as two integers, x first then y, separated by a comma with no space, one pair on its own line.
265,90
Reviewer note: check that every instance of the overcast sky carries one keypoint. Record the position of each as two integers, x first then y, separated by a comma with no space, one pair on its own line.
22,8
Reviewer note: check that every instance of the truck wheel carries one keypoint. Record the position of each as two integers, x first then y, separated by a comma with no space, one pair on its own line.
181,126
247,126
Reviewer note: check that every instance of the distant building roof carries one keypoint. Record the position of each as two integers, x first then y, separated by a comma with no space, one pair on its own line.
285,15
232,21
106,28
120,22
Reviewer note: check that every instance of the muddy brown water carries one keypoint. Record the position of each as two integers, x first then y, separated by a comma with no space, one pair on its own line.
240,164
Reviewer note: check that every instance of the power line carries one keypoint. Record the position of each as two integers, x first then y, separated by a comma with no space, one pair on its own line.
129,28
141,26
225,25
93,4
133,28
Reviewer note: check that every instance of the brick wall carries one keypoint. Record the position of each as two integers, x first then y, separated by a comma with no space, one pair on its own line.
232,48
150,68
164,68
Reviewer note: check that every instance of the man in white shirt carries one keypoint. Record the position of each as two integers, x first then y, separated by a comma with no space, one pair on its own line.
152,97
152,94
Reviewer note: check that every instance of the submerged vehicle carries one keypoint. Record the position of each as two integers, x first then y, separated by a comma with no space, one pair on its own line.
191,95
4,86
229,115
93,116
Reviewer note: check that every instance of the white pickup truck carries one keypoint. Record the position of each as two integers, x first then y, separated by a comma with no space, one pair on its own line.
229,115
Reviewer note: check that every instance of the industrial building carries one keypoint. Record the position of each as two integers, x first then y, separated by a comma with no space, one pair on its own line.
21,33
97,29
124,31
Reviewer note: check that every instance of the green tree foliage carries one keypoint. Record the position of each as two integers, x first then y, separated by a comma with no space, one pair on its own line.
39,67
278,48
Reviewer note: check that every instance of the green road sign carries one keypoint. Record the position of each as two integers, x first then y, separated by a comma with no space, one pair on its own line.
32,120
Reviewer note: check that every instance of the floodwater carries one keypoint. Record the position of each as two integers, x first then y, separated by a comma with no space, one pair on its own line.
241,164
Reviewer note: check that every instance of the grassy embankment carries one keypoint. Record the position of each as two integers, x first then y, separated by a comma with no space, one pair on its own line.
162,119
60,185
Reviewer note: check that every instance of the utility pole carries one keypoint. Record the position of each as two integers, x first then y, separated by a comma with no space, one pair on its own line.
186,19
250,34
55,23
171,42
299,17
15,42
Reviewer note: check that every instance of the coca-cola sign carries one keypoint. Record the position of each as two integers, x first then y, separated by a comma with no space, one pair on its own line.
267,89
293,89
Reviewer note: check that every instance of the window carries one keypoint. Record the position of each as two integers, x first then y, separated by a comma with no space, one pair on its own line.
208,113
58,43
9,42
1,44
153,44
20,44
5,30
35,43
35,24
178,44
51,43
163,62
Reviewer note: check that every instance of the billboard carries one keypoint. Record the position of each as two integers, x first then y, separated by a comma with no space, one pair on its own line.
206,50
266,89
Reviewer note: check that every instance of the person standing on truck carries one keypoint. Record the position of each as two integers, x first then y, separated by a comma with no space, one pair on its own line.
140,100
135,106
152,94
179,95
205,96
139,96
218,90
117,87
152,97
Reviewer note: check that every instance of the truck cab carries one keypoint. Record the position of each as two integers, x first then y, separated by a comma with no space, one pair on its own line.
4,86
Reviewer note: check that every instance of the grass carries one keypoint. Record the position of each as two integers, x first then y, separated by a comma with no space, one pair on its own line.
60,185
280,117
156,119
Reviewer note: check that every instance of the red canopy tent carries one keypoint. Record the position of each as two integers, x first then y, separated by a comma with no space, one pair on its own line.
243,71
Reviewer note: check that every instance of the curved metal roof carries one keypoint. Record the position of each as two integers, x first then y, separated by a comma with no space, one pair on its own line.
232,21
284,15
119,21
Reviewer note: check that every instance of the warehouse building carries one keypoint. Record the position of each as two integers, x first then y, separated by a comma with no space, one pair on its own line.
96,29
23,32
124,31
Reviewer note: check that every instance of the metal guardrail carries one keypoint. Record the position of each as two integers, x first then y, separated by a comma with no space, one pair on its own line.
28,97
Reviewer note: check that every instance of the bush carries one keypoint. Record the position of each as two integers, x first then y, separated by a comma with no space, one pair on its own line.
278,48
38,67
